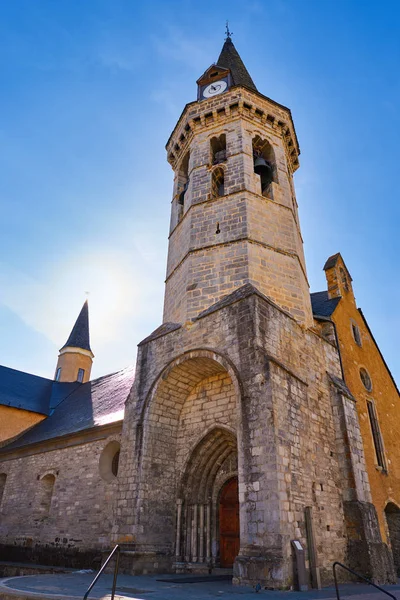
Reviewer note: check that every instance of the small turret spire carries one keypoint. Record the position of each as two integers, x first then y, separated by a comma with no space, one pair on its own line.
79,336
76,357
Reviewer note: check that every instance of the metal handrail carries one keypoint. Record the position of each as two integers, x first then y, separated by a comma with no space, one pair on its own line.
357,575
116,551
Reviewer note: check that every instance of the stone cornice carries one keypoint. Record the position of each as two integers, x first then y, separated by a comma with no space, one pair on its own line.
239,102
66,441
76,350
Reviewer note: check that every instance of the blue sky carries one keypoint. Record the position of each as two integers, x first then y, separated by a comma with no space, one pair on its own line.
90,93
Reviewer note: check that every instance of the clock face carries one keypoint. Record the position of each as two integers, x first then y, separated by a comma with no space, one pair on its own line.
215,88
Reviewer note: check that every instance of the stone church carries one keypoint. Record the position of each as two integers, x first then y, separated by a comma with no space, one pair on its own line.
258,414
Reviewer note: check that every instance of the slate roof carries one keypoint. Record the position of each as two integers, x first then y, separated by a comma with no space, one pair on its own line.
84,406
25,391
230,59
79,336
331,261
322,305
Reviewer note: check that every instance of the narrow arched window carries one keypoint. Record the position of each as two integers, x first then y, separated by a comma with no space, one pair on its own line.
218,182
183,184
45,493
356,333
376,436
115,463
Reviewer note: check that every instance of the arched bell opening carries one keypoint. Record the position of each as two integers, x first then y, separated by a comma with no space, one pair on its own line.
392,514
218,149
200,540
182,186
264,165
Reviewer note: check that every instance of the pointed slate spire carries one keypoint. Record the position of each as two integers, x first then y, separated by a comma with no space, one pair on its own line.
230,59
79,336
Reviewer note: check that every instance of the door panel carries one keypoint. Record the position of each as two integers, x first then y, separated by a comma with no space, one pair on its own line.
229,523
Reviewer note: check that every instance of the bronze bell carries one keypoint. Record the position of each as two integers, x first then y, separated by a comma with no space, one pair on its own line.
264,170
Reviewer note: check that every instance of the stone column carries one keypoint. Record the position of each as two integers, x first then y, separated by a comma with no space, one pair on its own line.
178,529
187,532
208,534
194,534
201,532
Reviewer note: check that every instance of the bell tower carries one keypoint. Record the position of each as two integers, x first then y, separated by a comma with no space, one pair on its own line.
234,216
239,424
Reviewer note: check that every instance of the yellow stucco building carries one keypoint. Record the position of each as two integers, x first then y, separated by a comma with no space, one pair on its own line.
14,421
377,397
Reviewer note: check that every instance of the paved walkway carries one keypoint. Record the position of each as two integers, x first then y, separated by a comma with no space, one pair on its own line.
148,587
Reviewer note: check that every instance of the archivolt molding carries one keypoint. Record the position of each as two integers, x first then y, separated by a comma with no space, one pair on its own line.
204,362
46,471
204,463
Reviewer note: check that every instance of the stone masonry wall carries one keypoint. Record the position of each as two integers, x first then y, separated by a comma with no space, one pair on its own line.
76,528
286,435
212,403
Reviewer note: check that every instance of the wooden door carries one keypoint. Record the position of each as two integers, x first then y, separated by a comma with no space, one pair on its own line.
229,540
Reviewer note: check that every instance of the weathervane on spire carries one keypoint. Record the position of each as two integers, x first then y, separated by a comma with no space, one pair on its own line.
228,33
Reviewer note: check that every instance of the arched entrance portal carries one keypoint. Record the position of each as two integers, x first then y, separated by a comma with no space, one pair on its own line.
208,506
229,523
392,513
187,450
